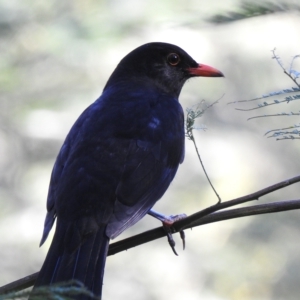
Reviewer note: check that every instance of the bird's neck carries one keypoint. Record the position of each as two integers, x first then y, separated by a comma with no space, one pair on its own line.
138,84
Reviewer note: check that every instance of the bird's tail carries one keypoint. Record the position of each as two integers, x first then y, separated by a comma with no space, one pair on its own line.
85,263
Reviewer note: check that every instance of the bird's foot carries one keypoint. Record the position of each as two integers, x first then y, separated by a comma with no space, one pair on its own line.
168,222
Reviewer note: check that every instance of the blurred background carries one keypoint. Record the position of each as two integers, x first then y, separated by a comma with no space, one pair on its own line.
55,59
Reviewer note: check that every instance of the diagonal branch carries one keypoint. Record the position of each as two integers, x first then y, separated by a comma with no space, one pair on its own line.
254,196
206,216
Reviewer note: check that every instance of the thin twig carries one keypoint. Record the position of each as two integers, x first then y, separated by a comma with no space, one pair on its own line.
192,115
287,138
283,68
290,127
278,93
266,104
276,115
199,157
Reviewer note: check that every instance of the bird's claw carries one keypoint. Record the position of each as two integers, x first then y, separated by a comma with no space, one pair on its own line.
182,236
167,224
170,238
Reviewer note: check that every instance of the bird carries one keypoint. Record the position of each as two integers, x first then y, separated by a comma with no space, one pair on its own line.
117,161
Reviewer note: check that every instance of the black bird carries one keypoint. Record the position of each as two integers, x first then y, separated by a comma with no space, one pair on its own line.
118,159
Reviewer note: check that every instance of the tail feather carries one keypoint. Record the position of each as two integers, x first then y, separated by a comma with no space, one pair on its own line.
85,263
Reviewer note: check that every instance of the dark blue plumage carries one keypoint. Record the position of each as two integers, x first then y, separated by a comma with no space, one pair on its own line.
118,159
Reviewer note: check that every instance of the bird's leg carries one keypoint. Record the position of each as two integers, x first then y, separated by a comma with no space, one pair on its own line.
168,221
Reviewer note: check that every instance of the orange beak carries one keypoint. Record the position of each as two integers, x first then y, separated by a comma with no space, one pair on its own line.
205,71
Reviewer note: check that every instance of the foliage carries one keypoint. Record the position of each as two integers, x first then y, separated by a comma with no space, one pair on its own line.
250,9
285,96
61,291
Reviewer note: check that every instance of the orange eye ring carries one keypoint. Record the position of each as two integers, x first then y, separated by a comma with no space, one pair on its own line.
173,59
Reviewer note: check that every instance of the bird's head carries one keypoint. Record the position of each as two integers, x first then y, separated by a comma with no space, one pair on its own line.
160,65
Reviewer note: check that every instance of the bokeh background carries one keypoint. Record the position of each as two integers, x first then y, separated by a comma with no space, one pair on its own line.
55,59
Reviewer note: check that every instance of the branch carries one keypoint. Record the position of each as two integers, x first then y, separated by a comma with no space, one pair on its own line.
254,196
206,216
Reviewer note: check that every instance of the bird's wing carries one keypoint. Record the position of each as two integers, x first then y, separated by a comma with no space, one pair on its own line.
145,178
151,163
58,168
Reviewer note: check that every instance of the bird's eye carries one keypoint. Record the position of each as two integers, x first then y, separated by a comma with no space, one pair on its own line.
173,59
